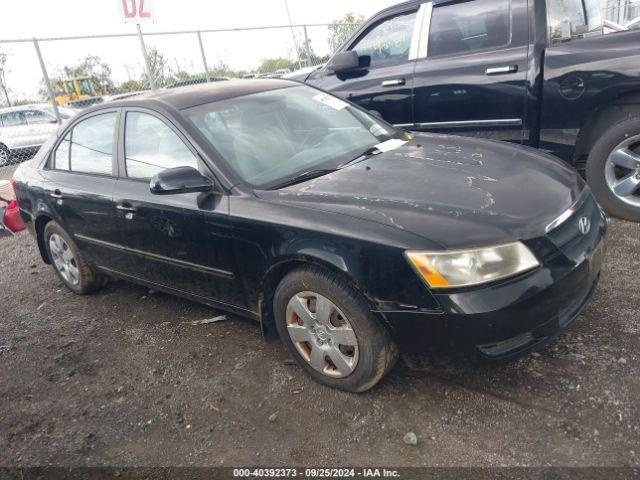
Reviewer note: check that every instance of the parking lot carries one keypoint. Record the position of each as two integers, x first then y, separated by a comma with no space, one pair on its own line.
128,377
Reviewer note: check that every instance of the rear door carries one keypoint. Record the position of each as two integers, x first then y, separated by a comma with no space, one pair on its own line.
14,130
40,126
181,241
80,178
471,77
384,81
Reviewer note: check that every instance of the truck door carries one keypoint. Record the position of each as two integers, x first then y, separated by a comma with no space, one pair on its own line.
471,73
384,81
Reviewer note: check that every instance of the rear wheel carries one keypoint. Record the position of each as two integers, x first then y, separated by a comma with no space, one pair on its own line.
331,332
68,262
613,169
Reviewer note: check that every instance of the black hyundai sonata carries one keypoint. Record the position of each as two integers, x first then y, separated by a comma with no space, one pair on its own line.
340,234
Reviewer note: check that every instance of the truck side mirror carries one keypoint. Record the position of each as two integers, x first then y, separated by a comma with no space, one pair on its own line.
344,61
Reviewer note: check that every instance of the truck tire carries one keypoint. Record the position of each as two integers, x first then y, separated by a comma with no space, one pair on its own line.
613,169
331,332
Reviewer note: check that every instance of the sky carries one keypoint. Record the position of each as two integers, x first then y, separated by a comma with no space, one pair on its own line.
240,50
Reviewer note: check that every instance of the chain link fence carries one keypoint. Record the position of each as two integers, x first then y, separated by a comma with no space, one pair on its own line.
46,81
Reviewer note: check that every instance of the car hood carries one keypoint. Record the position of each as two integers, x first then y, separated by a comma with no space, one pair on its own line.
454,191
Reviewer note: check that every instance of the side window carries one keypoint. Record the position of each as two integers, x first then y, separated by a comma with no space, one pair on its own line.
88,147
12,119
568,19
388,43
38,116
151,146
469,26
62,154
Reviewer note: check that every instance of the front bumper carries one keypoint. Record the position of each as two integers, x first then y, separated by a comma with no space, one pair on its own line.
515,316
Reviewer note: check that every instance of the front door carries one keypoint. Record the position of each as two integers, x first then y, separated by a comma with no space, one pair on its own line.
384,80
473,80
180,241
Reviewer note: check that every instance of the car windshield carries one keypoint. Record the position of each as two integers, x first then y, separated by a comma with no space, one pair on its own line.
269,137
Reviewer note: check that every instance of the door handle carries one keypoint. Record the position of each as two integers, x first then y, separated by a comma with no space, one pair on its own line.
394,83
501,70
125,208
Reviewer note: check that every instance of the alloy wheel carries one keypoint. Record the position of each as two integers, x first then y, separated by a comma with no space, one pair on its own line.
4,157
622,171
322,334
64,260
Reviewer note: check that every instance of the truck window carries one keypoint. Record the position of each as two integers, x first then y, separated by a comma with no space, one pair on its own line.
388,42
568,19
469,26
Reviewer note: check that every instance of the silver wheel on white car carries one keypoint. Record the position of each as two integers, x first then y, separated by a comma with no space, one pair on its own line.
322,334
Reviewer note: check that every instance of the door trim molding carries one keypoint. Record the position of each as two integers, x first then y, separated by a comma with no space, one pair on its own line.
155,256
501,122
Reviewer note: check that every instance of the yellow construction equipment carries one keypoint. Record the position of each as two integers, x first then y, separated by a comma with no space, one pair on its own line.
74,89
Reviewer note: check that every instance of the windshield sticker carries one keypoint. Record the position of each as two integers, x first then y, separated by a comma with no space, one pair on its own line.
390,145
330,101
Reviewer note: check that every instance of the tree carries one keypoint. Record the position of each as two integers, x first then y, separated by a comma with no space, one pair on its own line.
92,66
3,81
160,69
273,64
341,29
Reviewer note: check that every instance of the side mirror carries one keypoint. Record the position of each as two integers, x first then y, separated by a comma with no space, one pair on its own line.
180,180
344,61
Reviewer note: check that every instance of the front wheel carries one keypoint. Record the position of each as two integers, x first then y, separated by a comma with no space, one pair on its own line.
613,170
331,332
5,155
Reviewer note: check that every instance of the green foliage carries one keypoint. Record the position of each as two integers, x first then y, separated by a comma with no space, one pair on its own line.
273,64
92,66
341,29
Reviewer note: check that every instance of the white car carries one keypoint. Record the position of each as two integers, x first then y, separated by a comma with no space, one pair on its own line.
634,24
24,129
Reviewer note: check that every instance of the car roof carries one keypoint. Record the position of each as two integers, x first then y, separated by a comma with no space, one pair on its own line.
19,108
199,94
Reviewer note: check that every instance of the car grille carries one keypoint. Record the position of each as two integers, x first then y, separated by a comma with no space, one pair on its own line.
568,237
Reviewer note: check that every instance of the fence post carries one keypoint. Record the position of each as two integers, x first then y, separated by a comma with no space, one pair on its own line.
307,46
147,65
204,57
47,82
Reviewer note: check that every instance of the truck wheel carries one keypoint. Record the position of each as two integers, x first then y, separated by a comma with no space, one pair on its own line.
613,169
330,331
68,262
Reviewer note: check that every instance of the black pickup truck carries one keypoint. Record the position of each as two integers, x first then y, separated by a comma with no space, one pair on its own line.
540,73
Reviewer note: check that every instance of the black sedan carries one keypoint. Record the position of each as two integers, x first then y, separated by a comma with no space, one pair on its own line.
341,235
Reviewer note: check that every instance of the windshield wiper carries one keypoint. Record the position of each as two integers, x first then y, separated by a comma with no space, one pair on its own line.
308,175
318,172
369,151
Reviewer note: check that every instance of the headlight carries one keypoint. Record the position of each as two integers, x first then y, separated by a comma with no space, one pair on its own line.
463,268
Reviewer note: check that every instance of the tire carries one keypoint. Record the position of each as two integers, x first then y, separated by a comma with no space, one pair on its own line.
603,172
357,367
68,261
5,155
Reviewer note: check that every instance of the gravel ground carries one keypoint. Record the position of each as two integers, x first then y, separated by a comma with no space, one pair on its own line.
122,378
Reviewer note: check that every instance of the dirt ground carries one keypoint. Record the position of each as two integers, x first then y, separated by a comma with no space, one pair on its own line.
122,378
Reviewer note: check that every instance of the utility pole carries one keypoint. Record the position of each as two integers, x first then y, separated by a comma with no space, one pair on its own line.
293,35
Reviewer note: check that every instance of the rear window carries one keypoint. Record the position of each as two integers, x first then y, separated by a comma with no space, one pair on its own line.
88,147
570,19
469,26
